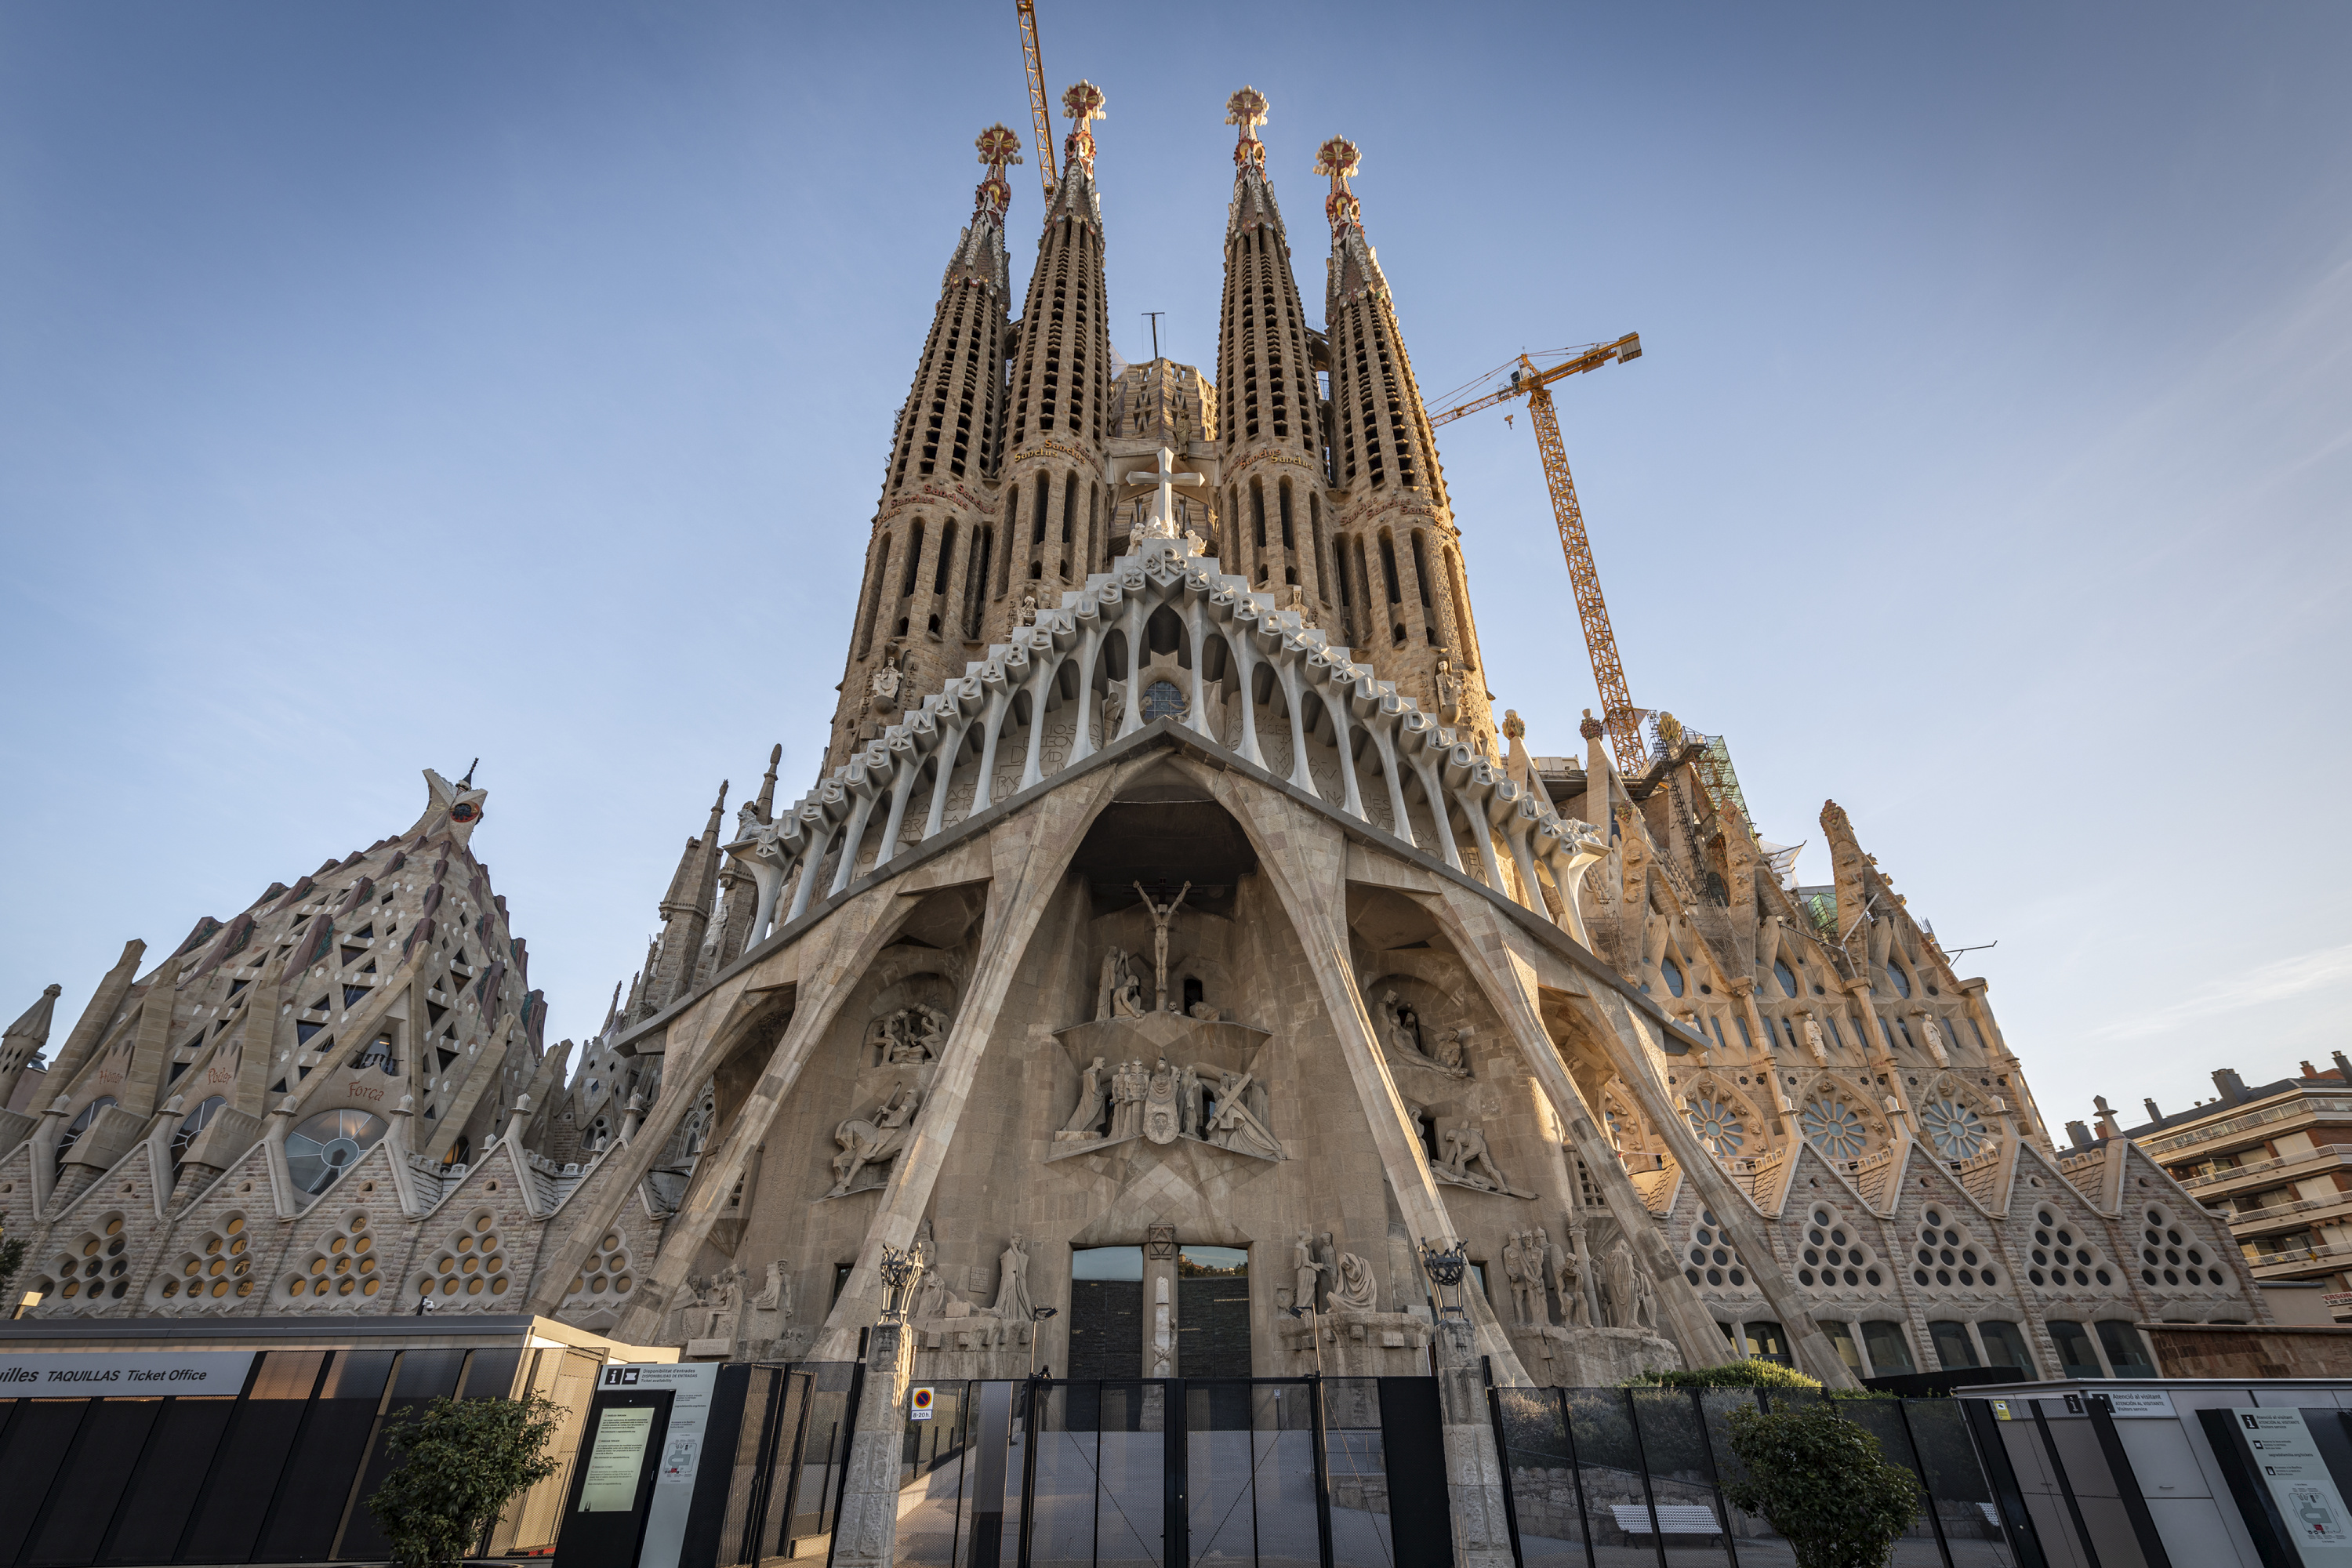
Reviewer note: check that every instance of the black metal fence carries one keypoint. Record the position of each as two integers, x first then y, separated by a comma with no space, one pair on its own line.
1271,1472
1622,1478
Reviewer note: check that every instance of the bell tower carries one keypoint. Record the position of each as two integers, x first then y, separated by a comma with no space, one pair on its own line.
1053,515
922,606
1270,412
1405,600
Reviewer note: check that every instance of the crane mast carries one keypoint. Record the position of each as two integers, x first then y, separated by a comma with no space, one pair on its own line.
1600,640
1039,114
1622,718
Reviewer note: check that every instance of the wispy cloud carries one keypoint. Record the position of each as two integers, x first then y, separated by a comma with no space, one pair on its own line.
2272,982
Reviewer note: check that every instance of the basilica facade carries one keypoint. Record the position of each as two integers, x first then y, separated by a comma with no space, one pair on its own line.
1179,936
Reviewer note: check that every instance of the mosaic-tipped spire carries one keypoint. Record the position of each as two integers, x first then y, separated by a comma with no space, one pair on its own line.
1082,103
1339,159
1246,109
998,148
767,801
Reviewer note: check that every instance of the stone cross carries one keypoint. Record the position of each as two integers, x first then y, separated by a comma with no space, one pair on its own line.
1162,523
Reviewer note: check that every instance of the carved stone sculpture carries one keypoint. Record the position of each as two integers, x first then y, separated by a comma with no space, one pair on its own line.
1119,994
1620,1275
1354,1290
1515,1274
1645,1303
1160,915
1162,1121
1163,1336
1013,1304
870,1140
1308,1271
778,1296
1239,1120
1814,1040
1935,1033
1467,1159
1083,1123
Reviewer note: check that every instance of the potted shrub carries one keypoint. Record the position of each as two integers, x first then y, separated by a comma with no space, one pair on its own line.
1821,1482
460,1462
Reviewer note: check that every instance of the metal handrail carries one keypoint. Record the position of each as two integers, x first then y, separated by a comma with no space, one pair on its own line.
2329,1155
2302,1106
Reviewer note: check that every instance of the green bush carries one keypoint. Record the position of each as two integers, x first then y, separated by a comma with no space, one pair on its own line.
1753,1373
1821,1482
460,1462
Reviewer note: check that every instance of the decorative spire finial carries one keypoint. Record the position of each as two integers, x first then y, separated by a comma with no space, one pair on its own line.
1246,109
1339,158
998,147
1081,103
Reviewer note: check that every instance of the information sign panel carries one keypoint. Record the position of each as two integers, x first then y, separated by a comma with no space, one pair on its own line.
616,1461
2288,1461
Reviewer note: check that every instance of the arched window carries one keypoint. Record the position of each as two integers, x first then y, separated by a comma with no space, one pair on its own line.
1674,973
1070,509
1785,975
879,562
1011,534
914,558
1258,511
1282,492
1896,978
1389,567
947,554
1037,511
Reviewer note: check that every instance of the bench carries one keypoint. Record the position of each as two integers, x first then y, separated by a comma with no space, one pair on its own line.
1674,1519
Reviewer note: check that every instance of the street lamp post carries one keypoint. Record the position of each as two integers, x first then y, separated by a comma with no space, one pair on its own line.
1037,1316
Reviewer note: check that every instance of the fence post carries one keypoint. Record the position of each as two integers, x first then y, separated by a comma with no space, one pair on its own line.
1714,1475
1503,1455
865,1531
1649,1492
1474,1482
1576,1474
1919,1462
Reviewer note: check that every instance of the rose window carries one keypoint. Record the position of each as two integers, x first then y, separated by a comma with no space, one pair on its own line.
1719,1127
1953,1130
1834,1128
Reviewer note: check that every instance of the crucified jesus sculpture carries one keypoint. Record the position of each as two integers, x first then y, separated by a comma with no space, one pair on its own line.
1159,918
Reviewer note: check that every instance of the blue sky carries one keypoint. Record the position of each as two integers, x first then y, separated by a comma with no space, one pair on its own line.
386,386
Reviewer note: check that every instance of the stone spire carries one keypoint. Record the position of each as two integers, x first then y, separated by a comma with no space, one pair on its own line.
1405,601
1051,524
685,910
24,1040
1270,411
921,600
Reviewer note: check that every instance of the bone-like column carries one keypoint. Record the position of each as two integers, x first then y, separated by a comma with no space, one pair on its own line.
1509,989
696,1040
1316,908
1028,854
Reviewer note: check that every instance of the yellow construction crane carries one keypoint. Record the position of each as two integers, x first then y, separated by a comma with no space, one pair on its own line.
1529,381
1038,112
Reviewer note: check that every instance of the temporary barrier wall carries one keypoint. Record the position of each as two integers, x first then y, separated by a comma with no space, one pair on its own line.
251,1440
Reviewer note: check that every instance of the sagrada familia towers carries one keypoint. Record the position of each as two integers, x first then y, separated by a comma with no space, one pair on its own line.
1173,906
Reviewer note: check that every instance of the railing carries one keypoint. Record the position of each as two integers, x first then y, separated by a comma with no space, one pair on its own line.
2307,1105
2327,1156
2265,1215
2301,1257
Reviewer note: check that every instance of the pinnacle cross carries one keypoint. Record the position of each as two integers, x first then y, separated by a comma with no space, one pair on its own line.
998,147
1081,103
1339,158
1162,523
1246,109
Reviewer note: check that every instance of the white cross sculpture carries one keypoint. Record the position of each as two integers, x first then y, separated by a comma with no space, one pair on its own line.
1162,523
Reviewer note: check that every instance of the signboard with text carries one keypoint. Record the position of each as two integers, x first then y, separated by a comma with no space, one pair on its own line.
57,1376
